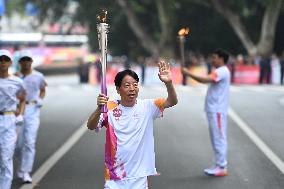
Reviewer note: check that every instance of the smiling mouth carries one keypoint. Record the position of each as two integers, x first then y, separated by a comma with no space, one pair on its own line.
131,95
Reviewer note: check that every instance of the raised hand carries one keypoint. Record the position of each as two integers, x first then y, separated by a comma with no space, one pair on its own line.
164,72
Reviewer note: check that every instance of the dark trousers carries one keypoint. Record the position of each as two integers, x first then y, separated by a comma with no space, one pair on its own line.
282,75
282,71
265,74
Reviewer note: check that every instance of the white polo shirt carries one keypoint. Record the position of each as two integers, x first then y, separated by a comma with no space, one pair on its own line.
218,92
129,148
10,88
32,84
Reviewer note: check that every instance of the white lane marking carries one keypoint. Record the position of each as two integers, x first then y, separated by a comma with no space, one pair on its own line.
257,140
54,158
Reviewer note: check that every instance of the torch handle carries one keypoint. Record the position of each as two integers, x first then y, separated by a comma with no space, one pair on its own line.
103,29
103,83
182,40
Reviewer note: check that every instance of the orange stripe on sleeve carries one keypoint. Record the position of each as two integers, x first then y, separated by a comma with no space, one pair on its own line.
214,76
160,103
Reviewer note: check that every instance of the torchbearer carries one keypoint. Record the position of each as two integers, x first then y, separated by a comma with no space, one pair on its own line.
216,108
129,147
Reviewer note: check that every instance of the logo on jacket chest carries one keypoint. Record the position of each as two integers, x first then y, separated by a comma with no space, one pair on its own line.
117,113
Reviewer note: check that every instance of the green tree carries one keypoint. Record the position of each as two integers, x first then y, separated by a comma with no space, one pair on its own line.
150,26
50,10
270,14
158,40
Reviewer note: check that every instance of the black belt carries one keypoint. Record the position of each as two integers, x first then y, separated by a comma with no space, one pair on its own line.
31,102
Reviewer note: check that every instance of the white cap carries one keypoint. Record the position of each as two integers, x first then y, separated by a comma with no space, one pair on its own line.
25,53
4,52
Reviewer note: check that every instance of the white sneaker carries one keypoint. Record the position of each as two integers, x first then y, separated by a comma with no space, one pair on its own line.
20,174
216,171
27,178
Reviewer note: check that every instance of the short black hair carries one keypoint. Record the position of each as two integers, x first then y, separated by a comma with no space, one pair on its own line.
120,75
25,58
223,54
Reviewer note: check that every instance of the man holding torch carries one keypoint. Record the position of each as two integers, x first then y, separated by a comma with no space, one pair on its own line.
129,147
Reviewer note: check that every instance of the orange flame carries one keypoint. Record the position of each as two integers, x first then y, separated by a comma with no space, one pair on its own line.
102,17
183,31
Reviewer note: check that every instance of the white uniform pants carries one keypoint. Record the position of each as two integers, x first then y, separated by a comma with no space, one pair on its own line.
218,135
8,138
135,183
27,138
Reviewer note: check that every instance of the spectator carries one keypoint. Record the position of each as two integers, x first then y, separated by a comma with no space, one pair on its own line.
265,70
83,71
282,68
275,69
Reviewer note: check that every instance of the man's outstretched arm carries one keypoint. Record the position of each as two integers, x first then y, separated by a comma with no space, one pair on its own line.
165,77
201,79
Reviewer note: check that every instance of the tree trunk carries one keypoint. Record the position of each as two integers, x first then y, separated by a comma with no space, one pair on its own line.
268,28
164,14
235,22
147,42
265,45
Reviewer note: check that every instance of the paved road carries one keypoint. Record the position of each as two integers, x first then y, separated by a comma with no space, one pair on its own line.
181,139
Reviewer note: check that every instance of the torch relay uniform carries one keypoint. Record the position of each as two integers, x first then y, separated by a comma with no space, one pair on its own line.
33,83
216,107
129,147
10,88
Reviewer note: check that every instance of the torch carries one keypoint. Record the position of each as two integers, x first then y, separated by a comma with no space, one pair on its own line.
181,36
103,29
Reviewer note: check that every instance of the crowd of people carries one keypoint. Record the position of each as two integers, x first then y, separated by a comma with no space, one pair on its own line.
267,70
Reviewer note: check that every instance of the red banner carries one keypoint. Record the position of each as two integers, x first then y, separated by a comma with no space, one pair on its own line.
246,74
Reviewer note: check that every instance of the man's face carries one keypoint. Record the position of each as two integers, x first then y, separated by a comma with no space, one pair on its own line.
5,63
216,60
26,63
128,90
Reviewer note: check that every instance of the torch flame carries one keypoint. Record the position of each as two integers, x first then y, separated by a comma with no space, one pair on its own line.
103,17
183,31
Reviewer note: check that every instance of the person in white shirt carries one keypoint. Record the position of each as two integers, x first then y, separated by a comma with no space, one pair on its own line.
12,104
216,108
129,147
34,84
